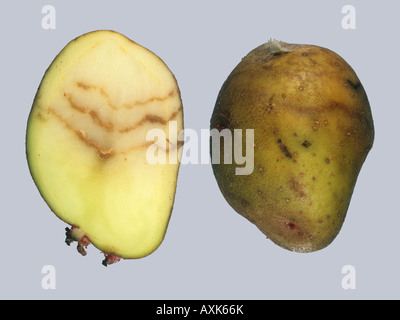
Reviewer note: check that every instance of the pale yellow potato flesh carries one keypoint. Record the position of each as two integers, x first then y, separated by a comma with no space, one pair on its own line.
86,142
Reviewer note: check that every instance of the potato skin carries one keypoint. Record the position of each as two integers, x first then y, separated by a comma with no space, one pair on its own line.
313,129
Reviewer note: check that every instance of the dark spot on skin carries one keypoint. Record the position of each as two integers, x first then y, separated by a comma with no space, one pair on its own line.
313,61
290,225
297,188
293,227
355,86
284,149
244,203
327,160
220,127
270,107
306,144
304,54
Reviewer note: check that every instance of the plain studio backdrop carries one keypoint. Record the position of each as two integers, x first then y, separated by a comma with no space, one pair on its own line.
209,252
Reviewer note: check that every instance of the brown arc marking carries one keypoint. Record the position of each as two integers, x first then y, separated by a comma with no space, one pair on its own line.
73,104
152,99
149,143
95,117
85,86
147,118
102,92
83,136
152,119
108,125
104,154
93,114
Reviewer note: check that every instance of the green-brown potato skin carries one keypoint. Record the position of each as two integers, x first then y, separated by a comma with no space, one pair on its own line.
313,129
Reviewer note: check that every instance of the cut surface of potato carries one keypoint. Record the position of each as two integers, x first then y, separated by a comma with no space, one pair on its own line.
86,142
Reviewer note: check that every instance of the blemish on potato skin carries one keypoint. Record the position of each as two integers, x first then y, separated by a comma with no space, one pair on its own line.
220,127
355,86
270,107
292,226
284,149
297,188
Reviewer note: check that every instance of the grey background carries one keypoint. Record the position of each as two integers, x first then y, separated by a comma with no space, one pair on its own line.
209,251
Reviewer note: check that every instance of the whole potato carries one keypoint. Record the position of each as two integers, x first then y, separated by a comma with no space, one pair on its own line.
313,129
